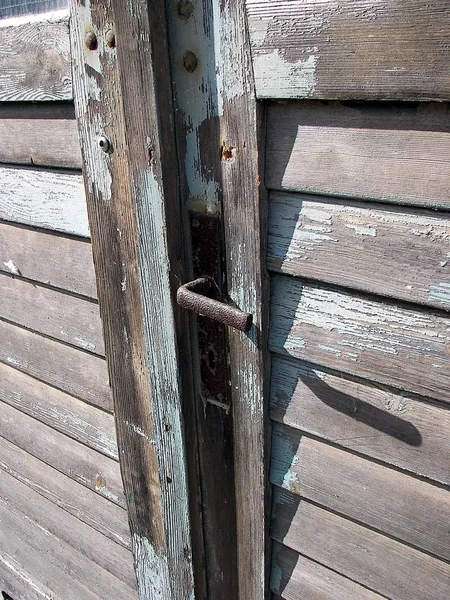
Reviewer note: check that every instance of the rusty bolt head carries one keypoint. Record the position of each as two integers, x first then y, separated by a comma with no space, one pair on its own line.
110,38
90,39
190,61
185,9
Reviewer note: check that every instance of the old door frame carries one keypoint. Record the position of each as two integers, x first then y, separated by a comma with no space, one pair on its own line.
119,52
123,102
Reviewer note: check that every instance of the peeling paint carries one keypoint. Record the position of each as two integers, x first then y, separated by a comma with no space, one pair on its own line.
290,79
152,571
283,459
84,344
140,432
440,293
12,268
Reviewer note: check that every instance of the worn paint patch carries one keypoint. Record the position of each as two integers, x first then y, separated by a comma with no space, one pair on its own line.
152,570
84,343
440,293
140,432
297,79
282,463
101,488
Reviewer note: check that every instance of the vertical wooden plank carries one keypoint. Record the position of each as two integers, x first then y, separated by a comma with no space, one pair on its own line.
124,93
244,205
197,110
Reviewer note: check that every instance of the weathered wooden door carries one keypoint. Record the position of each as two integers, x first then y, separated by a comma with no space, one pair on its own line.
211,130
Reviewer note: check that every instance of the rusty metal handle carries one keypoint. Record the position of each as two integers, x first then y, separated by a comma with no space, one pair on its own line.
194,296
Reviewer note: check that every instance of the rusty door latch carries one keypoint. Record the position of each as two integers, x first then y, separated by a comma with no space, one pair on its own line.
194,296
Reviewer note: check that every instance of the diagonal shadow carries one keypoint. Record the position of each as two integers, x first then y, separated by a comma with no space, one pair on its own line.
364,412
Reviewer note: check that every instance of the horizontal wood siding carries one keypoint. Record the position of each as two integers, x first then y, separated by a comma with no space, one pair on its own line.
44,257
35,62
418,513
360,340
44,142
355,49
62,412
386,566
42,198
378,562
79,501
391,344
80,374
375,421
295,577
36,542
309,236
61,316
397,154
82,464
64,524
96,549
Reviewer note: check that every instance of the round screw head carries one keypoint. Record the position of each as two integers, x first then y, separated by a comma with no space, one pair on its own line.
104,144
190,61
90,40
185,9
110,38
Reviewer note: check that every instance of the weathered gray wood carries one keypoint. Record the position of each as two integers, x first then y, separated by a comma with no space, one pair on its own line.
382,564
82,464
82,539
244,205
403,347
61,316
378,422
51,200
46,142
295,577
197,121
390,153
309,236
77,373
31,546
353,49
418,513
77,500
56,260
139,263
35,61
15,581
76,419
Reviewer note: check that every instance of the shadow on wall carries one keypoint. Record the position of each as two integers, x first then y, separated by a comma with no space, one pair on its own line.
322,395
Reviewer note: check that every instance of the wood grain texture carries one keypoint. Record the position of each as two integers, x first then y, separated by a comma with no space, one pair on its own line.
244,218
51,200
72,320
309,236
376,421
381,152
77,500
30,545
82,464
354,49
72,417
35,62
412,511
80,374
82,539
363,555
388,343
43,142
137,252
48,258
295,577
